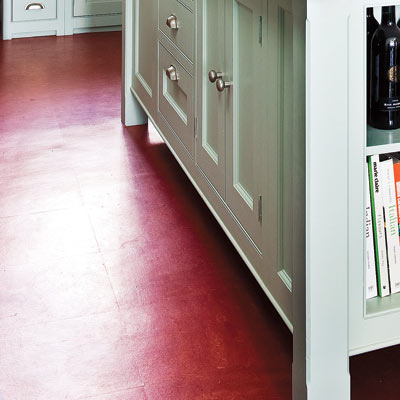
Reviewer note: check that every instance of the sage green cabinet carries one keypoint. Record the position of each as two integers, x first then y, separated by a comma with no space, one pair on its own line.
244,127
210,144
145,55
228,144
251,136
283,127
232,110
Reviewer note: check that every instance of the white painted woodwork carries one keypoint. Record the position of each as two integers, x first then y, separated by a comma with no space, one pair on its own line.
373,323
97,7
176,98
211,146
183,36
327,242
25,10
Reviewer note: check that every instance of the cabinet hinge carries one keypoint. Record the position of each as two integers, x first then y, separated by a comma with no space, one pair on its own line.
260,30
196,127
260,209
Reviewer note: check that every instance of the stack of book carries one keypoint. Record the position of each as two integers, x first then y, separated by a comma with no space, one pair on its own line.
382,261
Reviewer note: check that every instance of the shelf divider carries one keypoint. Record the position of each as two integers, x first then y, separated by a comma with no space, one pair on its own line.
382,141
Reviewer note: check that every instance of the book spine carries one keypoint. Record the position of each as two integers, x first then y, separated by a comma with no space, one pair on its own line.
391,223
396,169
378,224
370,266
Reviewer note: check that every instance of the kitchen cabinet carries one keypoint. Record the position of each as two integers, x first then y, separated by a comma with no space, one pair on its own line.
224,100
59,17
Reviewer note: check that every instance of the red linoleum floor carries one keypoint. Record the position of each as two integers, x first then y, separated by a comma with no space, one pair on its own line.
116,282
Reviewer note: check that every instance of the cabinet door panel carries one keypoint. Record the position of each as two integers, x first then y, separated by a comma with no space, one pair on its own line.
210,150
243,116
145,53
284,152
96,7
176,98
183,37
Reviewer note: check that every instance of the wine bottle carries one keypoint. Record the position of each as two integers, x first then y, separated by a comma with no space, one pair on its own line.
372,26
385,72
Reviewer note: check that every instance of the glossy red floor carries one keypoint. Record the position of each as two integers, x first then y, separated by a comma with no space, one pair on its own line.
116,282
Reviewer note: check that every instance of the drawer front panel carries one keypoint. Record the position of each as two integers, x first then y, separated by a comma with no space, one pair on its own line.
33,10
177,23
188,3
176,98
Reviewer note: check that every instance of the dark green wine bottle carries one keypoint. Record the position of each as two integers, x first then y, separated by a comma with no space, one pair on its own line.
385,72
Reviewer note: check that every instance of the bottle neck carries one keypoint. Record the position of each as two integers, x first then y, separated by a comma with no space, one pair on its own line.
389,15
370,12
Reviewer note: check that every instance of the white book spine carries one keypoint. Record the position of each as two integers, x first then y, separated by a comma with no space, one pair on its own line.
392,228
379,227
371,288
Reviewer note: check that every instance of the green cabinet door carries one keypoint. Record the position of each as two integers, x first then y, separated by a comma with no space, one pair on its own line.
244,114
284,162
210,147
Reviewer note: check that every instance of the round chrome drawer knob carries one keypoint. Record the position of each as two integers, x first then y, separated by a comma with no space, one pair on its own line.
222,85
213,76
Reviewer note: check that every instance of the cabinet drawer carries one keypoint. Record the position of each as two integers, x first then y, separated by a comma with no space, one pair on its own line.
176,97
173,12
33,10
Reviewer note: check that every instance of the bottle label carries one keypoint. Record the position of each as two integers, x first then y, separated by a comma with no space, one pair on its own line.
389,104
393,74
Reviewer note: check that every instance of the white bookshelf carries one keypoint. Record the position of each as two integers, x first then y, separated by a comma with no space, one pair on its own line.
373,323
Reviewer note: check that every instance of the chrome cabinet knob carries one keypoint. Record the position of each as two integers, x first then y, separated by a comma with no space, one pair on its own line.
172,22
172,73
222,85
213,76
